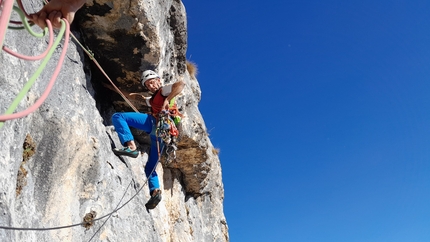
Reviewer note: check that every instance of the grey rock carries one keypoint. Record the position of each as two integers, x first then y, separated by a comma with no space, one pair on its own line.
56,164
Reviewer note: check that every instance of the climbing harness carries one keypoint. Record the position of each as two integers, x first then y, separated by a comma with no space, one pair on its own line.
166,129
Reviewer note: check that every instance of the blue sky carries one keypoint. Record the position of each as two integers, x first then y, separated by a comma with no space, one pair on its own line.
321,112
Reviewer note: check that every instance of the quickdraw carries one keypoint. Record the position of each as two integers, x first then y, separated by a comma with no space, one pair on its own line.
166,130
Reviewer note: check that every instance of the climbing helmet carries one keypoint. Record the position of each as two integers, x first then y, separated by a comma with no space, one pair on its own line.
148,74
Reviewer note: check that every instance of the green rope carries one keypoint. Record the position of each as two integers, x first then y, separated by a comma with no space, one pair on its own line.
27,25
39,70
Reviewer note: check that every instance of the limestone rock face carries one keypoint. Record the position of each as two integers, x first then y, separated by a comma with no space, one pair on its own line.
56,164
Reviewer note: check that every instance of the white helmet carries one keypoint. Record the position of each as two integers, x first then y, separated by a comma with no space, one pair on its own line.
148,74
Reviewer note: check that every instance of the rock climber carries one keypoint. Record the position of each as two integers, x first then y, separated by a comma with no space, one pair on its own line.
160,100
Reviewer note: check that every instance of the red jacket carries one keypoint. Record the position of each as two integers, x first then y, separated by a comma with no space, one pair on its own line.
157,101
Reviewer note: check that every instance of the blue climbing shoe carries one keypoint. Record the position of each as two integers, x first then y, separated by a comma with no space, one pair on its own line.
154,200
127,152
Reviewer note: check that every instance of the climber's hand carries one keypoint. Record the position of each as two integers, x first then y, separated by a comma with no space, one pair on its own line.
55,10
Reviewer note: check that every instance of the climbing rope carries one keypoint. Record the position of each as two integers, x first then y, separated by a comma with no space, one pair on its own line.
64,30
108,216
6,10
6,7
38,35
120,207
91,56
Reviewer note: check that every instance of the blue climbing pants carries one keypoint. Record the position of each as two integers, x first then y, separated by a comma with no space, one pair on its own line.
145,122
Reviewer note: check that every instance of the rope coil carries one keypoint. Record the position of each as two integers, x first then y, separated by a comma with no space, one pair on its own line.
64,30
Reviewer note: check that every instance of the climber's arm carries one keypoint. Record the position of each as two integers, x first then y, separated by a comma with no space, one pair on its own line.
177,88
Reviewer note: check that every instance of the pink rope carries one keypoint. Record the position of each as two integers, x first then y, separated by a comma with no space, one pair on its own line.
41,56
51,83
6,9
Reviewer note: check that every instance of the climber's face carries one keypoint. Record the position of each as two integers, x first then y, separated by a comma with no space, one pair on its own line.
153,84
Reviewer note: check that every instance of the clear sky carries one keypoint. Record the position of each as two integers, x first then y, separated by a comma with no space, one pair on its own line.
321,112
